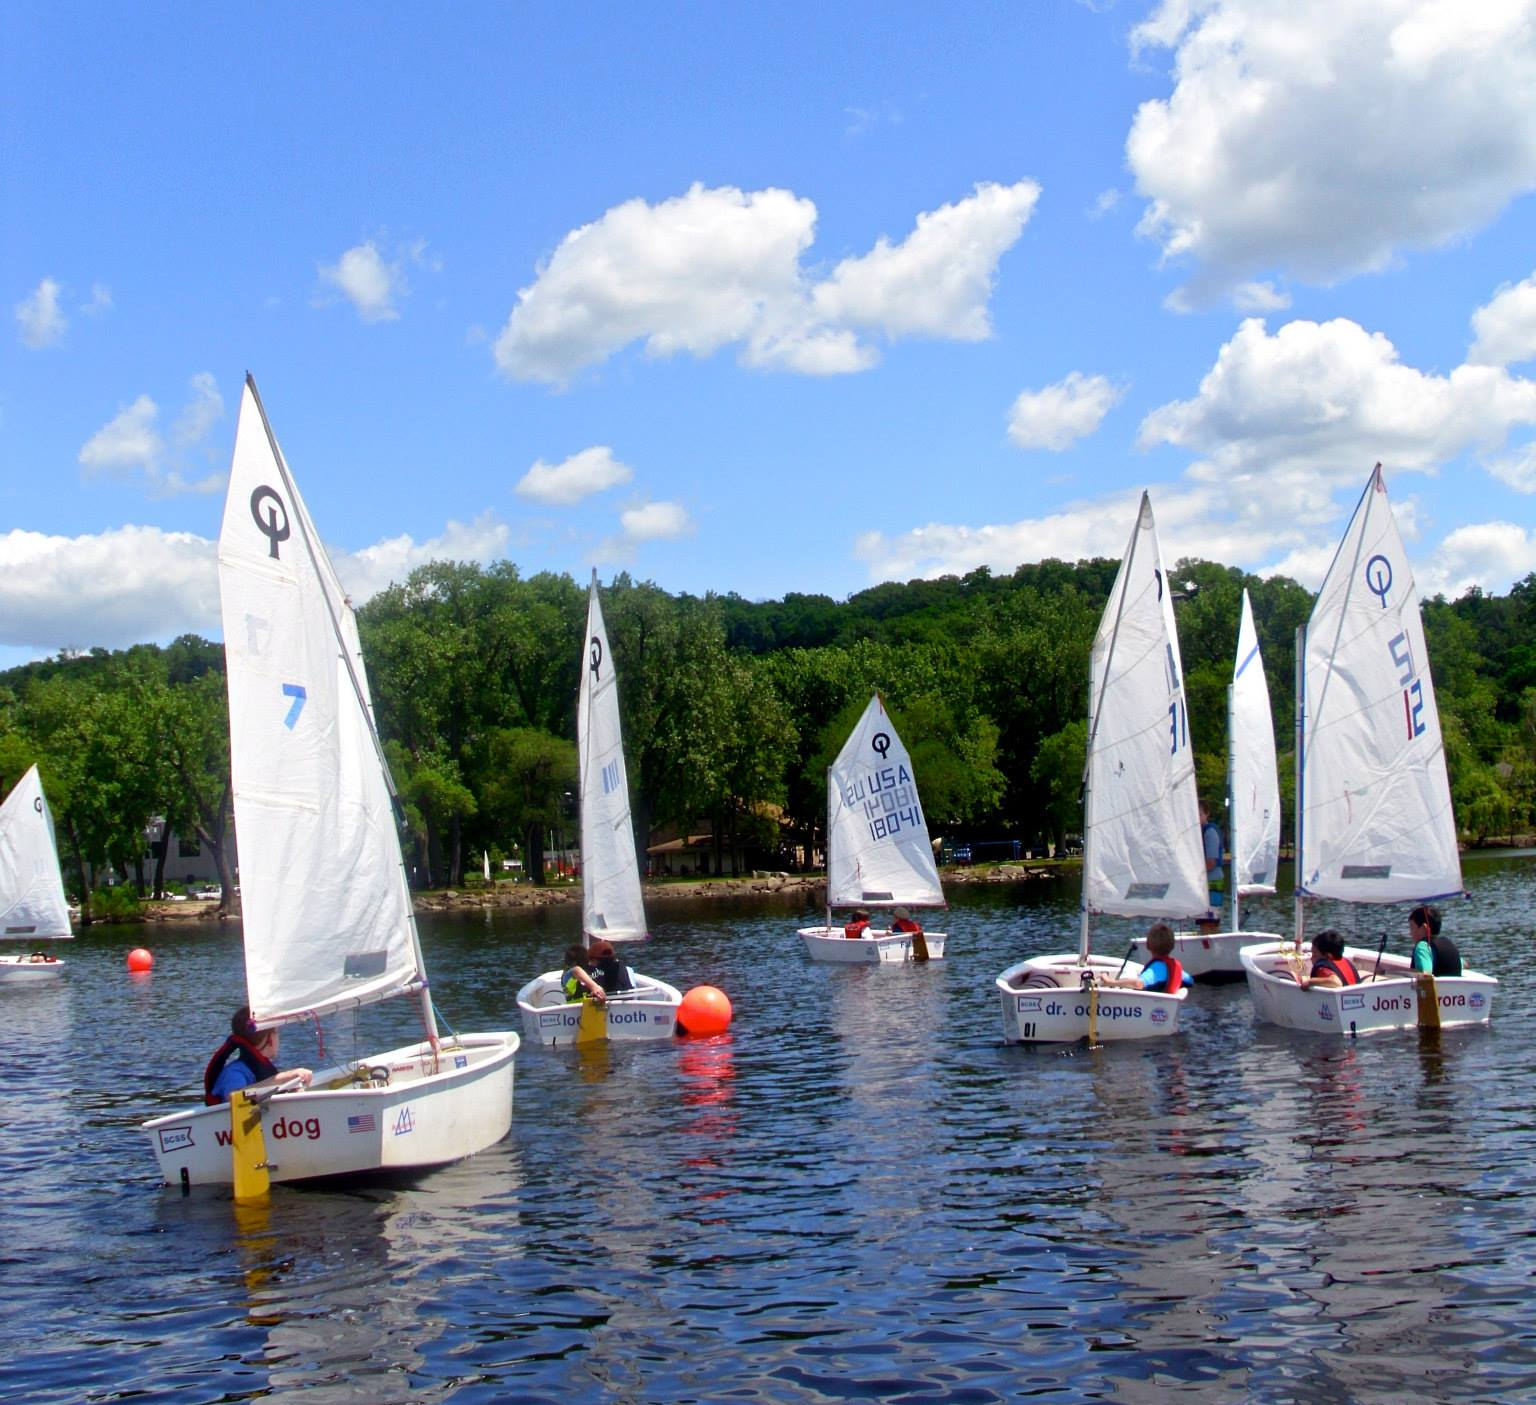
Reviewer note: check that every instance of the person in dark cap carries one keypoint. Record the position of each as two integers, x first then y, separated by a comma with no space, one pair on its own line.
612,974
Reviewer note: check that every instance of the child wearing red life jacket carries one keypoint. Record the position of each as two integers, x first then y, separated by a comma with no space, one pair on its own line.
1162,973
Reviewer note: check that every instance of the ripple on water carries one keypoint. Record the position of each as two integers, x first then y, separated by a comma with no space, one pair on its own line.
857,1193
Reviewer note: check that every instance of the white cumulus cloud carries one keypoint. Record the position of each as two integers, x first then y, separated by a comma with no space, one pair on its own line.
1485,554
1505,327
591,471
371,569
655,521
1318,138
367,281
720,267
39,319
1061,414
112,589
1282,433
131,442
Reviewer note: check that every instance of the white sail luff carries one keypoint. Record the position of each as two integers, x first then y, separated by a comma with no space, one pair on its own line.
32,901
1377,823
878,850
611,905
326,909
1142,853
1254,813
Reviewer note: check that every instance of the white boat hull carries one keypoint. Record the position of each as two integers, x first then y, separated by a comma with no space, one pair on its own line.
415,1120
1209,956
30,969
647,1012
872,949
1388,999
1043,1002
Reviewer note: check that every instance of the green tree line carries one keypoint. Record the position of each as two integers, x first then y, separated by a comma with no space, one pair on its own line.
732,710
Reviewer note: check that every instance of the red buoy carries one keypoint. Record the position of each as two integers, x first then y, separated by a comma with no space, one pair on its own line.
705,1010
139,959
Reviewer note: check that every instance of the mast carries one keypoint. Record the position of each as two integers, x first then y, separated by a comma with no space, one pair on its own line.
1301,804
1232,824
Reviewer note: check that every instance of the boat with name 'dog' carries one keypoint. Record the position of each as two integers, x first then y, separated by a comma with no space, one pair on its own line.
328,922
612,908
1142,854
33,907
1373,801
879,855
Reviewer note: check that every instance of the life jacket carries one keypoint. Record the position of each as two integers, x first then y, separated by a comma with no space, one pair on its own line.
248,1054
1447,957
856,929
905,924
1343,968
571,988
1175,981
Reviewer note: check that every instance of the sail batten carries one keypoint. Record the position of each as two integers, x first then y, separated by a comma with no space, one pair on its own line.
321,871
1378,826
878,850
32,901
611,903
1142,853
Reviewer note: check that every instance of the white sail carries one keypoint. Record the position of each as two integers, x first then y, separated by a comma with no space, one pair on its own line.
1255,780
610,873
327,911
1376,818
1142,851
878,850
32,902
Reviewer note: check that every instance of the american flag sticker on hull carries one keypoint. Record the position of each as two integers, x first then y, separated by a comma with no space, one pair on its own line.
364,1123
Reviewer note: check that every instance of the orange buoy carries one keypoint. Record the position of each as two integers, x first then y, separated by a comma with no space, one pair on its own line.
705,1010
139,959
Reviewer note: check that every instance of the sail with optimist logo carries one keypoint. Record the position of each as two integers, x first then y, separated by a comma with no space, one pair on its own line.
326,908
1142,851
611,905
879,854
32,901
328,921
1374,817
1376,823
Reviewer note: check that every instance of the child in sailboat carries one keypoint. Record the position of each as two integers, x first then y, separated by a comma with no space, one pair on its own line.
1432,951
576,983
858,925
1331,969
612,974
1162,973
903,921
245,1060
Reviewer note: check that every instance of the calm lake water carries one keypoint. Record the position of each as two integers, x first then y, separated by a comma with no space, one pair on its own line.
858,1193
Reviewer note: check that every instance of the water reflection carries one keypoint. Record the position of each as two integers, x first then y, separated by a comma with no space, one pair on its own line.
857,1192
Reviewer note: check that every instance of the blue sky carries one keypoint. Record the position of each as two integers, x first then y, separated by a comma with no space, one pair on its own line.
760,299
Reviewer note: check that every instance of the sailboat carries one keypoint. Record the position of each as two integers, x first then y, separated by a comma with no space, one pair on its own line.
1374,822
1253,811
32,903
611,906
328,919
1142,853
879,855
